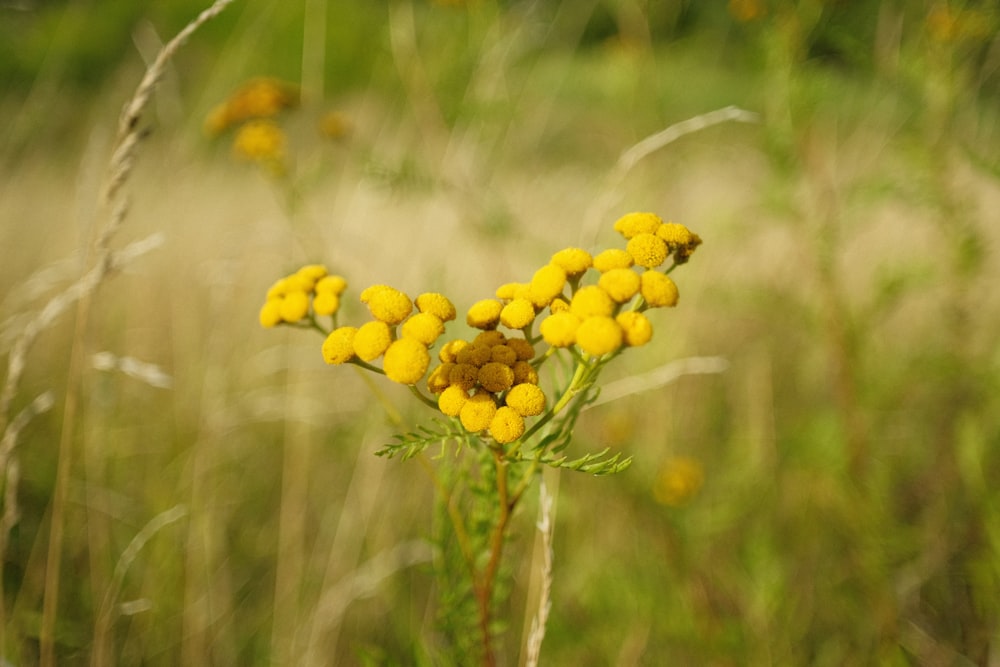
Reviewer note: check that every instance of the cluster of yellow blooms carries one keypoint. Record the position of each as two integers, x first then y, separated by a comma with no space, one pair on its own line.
491,382
263,97
308,292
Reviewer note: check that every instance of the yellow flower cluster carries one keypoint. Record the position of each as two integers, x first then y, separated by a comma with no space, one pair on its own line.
310,291
595,317
258,98
488,383
397,335
260,140
678,481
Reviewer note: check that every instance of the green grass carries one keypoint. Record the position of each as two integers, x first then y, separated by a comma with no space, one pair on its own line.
848,513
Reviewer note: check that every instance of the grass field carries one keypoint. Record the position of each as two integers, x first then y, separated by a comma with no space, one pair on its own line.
829,498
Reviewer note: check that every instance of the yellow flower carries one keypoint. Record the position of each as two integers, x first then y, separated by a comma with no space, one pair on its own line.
524,373
260,141
509,291
338,348
312,273
675,234
590,301
546,284
678,481
484,314
525,350
423,327
372,340
331,285
506,425
294,306
620,284
517,314
406,361
270,313
574,261
636,327
449,351
326,303
496,377
558,306
612,258
464,376
451,400
436,304
631,224
648,250
559,329
477,412
599,335
438,381
387,303
526,400
658,289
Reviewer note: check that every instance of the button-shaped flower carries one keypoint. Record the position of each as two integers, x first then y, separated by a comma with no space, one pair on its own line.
387,304
406,361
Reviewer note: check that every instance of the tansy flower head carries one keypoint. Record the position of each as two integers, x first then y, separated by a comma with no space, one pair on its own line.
270,313
506,425
658,290
599,335
489,338
547,283
477,412
312,273
294,306
257,98
438,380
484,314
631,224
559,329
591,300
503,354
525,350
464,376
496,377
331,285
451,400
647,250
424,327
509,291
636,328
436,304
620,284
574,261
612,258
387,303
406,361
326,303
372,340
527,400
517,314
334,125
449,351
524,373
338,348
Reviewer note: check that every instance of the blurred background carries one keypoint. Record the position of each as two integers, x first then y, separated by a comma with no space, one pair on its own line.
831,498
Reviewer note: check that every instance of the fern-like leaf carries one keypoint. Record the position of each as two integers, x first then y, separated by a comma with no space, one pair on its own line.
596,464
408,445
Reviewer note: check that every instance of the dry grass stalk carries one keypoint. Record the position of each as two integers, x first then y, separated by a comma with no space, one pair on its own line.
545,529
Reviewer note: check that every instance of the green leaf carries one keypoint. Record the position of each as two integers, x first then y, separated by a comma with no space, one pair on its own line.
592,464
408,445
